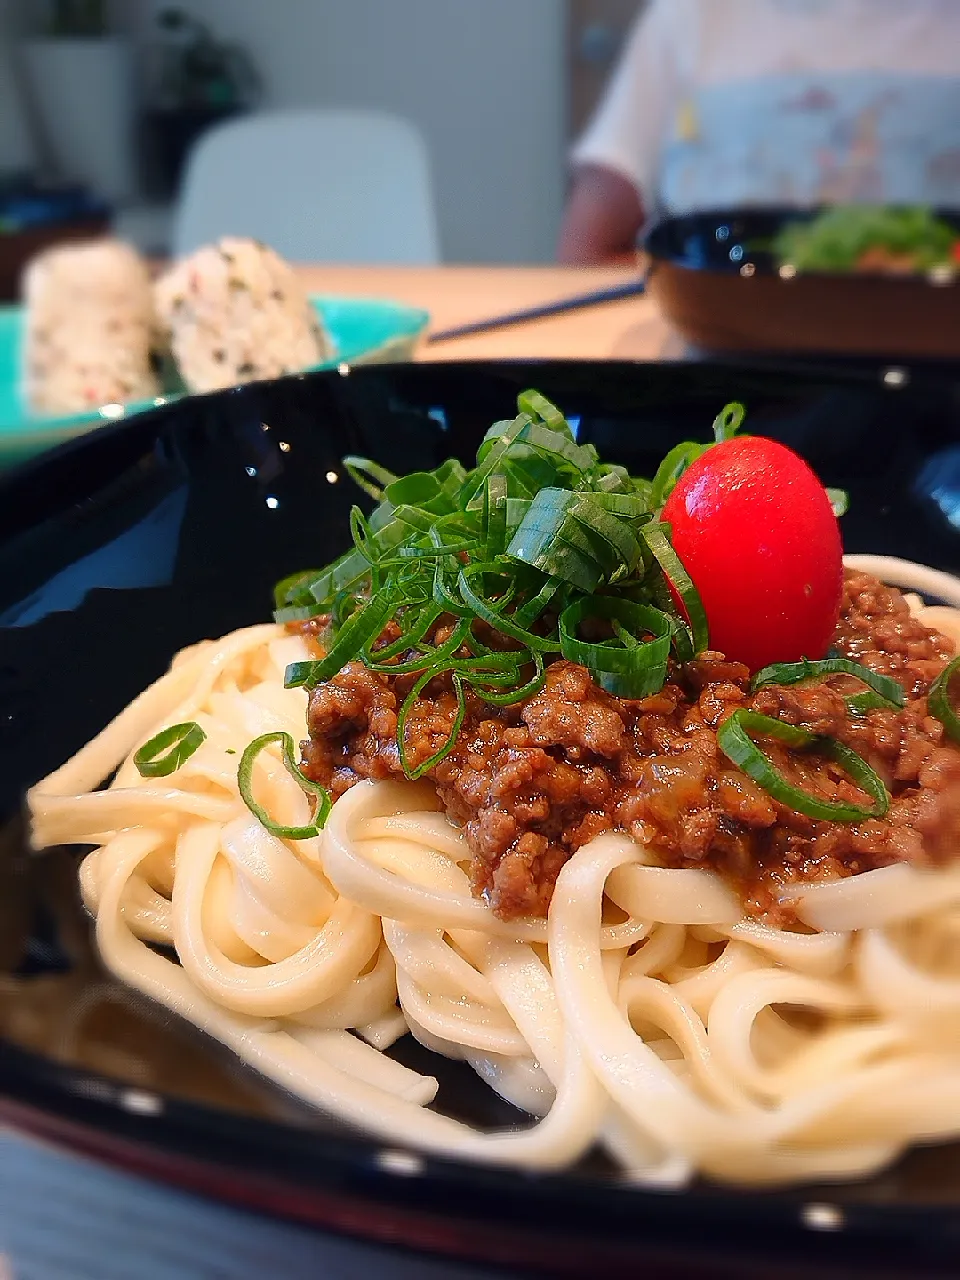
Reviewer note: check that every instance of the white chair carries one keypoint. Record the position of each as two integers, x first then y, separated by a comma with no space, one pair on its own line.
316,185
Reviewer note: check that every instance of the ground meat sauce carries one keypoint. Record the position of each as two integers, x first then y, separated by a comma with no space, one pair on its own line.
533,782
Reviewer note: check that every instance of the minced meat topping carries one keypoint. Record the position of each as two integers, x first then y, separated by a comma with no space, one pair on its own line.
531,783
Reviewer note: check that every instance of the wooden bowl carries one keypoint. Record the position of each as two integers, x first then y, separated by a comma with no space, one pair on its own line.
718,284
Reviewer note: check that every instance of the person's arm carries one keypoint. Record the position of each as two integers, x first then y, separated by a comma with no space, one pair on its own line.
602,218
616,162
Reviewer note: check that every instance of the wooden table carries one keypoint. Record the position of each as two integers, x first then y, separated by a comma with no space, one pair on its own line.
630,329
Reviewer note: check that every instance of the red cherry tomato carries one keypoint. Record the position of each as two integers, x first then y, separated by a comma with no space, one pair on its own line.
754,528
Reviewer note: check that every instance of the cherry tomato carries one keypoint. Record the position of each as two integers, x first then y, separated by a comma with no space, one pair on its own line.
754,528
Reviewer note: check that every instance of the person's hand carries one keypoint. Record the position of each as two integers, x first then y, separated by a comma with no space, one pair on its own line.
602,219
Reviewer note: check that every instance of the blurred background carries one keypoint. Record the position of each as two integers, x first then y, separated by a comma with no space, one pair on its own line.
100,101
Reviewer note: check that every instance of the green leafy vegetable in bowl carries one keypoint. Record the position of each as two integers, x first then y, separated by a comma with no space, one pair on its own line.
870,239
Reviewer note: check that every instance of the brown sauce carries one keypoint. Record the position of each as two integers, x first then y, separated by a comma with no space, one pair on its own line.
531,783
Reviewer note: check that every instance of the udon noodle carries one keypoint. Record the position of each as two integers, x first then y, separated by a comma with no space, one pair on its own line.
646,1014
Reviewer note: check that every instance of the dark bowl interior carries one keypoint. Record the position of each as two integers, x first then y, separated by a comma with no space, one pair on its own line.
717,282
120,548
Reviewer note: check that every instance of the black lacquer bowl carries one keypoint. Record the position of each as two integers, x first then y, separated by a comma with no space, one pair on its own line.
716,280
120,548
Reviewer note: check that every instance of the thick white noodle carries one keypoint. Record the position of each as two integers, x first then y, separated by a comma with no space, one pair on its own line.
909,576
683,1038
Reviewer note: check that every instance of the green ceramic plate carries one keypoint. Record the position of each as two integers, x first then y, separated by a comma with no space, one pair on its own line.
363,330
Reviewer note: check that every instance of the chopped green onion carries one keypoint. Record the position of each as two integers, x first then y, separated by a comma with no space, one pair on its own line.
493,667
495,496
425,657
728,421
890,691
662,550
443,594
368,476
417,771
353,635
733,738
294,589
528,613
320,588
671,469
632,670
938,699
424,620
345,605
349,571
432,491
362,536
682,640
491,453
582,538
313,789
178,742
840,501
860,703
559,444
298,613
520,694
539,407
494,617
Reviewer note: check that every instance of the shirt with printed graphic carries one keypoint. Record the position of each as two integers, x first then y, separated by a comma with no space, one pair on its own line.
738,103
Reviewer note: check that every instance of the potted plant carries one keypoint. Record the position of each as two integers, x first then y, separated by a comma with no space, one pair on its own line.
194,80
79,74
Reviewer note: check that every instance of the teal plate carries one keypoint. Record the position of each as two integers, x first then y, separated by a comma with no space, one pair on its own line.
363,331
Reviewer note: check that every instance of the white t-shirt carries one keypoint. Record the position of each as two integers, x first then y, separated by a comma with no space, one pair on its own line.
730,103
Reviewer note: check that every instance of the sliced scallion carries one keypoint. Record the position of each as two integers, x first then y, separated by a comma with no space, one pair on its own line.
630,670
671,469
417,771
938,699
167,750
357,631
368,476
728,421
889,691
839,501
735,740
662,550
495,495
297,613
294,590
319,794
424,657
414,625
859,704
540,408
519,694
493,612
